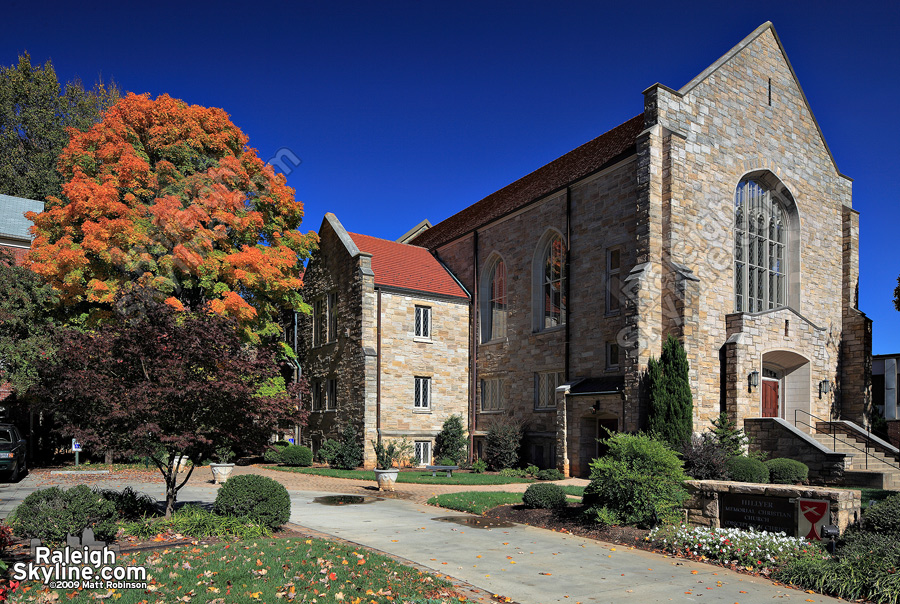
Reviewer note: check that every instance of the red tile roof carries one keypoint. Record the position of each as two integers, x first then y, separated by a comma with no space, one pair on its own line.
407,267
574,165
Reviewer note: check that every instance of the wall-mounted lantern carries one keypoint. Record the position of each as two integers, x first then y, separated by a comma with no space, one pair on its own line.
753,379
824,387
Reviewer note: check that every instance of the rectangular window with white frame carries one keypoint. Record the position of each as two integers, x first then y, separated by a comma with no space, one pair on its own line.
422,397
423,322
545,385
331,395
613,280
423,452
492,396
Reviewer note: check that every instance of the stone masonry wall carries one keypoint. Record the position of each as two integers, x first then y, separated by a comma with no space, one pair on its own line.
602,218
703,504
769,435
443,358
333,270
730,128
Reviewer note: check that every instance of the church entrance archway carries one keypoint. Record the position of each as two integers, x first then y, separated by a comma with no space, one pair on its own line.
785,385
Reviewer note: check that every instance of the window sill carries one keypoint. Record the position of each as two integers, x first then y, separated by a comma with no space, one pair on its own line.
549,329
612,369
544,409
423,340
496,341
613,313
323,411
423,411
491,411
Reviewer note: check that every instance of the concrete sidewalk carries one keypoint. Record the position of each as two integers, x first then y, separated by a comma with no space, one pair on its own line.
529,565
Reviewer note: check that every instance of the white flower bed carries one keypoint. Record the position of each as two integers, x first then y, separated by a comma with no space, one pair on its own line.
751,549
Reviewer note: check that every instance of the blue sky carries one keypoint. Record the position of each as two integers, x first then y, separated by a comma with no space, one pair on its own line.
401,111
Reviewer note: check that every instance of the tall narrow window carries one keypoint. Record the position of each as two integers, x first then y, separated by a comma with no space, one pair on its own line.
613,283
554,283
319,323
495,317
423,322
316,392
331,395
759,249
422,396
332,317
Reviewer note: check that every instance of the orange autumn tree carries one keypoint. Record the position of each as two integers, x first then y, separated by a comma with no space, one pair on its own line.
168,195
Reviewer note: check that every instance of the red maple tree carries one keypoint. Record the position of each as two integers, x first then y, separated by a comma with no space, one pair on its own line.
159,383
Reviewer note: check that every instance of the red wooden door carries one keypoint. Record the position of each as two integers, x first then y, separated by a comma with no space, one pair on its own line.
770,398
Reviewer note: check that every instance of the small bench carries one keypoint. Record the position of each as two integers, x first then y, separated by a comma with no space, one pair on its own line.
436,469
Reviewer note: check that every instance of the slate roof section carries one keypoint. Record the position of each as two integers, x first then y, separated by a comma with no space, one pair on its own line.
579,163
13,223
596,386
408,267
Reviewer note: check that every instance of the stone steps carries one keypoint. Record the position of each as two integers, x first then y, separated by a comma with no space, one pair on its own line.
878,471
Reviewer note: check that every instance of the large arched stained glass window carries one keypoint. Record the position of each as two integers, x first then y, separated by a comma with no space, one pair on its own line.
554,283
760,234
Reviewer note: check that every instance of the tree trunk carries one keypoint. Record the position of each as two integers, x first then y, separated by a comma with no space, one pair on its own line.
108,458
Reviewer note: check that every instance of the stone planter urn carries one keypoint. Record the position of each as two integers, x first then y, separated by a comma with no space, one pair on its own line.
386,478
221,471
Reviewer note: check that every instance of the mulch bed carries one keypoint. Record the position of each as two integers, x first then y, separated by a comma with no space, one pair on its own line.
569,520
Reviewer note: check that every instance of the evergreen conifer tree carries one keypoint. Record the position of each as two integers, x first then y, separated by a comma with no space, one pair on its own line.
671,403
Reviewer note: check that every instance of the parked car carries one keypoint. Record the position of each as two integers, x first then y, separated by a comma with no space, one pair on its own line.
13,460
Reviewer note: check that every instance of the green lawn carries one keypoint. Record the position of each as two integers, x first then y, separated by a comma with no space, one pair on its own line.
417,476
268,570
475,502
867,494
572,490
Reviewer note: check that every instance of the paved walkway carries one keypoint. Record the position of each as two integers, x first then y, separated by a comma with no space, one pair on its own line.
529,565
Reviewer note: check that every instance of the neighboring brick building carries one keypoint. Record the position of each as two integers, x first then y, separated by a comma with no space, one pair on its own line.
386,347
719,216
15,238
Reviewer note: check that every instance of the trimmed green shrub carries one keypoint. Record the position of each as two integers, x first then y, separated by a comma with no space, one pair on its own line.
451,442
479,466
783,470
640,480
296,455
130,504
513,472
257,498
349,454
602,516
328,451
747,469
549,474
532,470
502,444
51,514
705,458
273,453
884,516
544,496
671,414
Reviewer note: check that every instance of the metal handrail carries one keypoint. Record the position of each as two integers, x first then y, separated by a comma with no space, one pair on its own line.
834,438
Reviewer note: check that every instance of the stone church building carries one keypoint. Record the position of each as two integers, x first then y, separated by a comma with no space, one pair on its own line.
717,215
